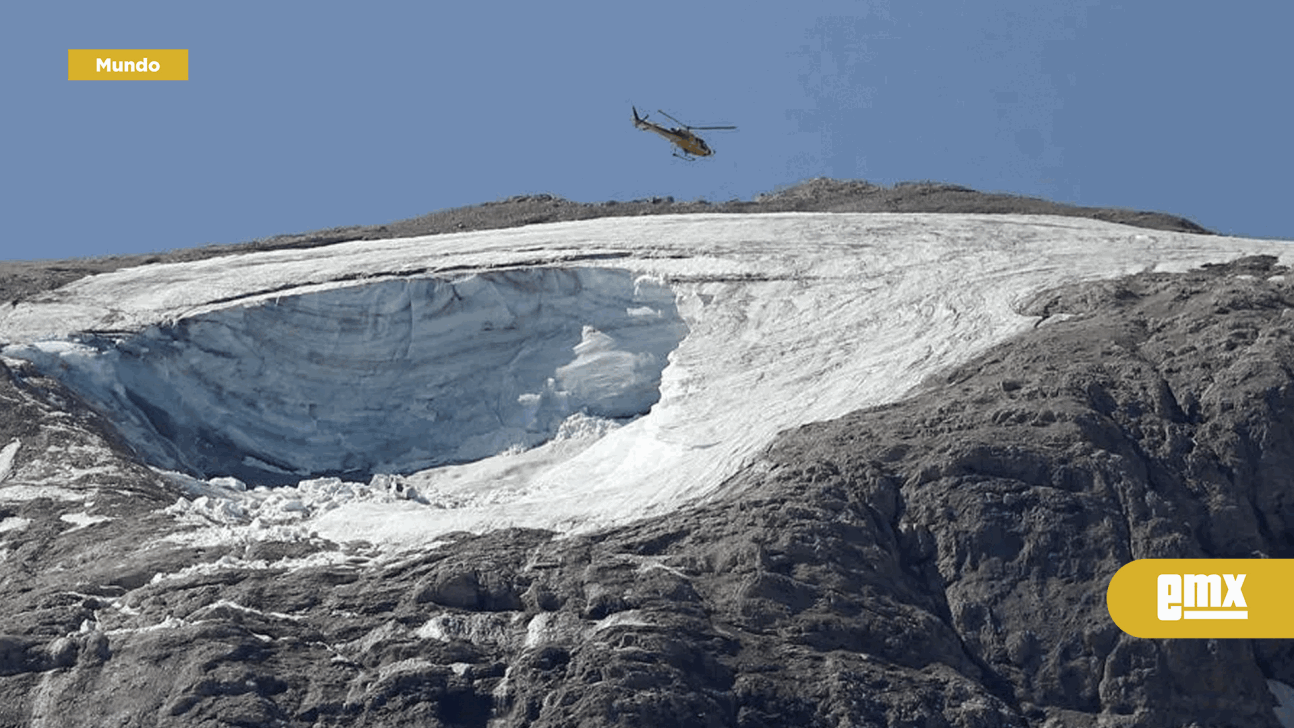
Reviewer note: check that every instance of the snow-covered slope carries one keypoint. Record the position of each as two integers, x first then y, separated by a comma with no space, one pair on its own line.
567,376
387,377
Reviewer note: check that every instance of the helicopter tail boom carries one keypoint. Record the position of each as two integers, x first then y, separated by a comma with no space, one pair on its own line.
640,121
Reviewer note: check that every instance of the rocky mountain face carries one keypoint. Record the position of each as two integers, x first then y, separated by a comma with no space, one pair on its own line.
939,561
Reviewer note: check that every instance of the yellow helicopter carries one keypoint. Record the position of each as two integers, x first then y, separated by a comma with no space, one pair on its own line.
680,136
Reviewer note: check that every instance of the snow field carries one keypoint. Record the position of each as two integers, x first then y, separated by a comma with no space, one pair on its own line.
764,322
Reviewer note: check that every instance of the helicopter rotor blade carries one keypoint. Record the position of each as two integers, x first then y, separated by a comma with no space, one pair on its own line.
676,121
690,128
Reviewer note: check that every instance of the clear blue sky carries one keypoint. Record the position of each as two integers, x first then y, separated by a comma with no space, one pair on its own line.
304,115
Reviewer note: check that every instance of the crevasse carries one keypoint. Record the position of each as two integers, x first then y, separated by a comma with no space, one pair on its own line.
386,377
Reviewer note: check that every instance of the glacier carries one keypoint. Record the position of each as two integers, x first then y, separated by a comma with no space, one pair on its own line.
568,376
390,377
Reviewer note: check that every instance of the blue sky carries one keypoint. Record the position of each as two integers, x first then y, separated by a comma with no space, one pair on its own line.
300,116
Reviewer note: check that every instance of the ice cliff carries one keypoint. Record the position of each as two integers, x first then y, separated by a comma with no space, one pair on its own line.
391,377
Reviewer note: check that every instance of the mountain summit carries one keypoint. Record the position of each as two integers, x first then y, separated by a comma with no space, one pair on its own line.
735,467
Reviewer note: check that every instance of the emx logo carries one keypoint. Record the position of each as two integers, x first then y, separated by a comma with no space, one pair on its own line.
1205,598
1202,597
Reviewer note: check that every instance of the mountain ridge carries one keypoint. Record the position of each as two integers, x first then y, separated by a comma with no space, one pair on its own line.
939,560
20,279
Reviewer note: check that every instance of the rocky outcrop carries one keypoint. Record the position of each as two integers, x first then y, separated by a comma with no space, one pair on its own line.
940,561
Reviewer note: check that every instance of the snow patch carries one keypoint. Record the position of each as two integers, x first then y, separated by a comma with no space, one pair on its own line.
6,458
229,562
478,628
1284,702
235,606
554,628
14,523
24,492
82,520
170,622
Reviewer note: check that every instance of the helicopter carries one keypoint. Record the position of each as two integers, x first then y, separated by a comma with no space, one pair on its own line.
680,136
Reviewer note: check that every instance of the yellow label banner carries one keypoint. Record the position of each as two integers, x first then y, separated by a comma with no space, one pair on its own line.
1203,598
119,64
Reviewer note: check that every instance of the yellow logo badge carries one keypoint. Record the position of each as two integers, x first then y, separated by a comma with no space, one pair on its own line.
164,64
1203,598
